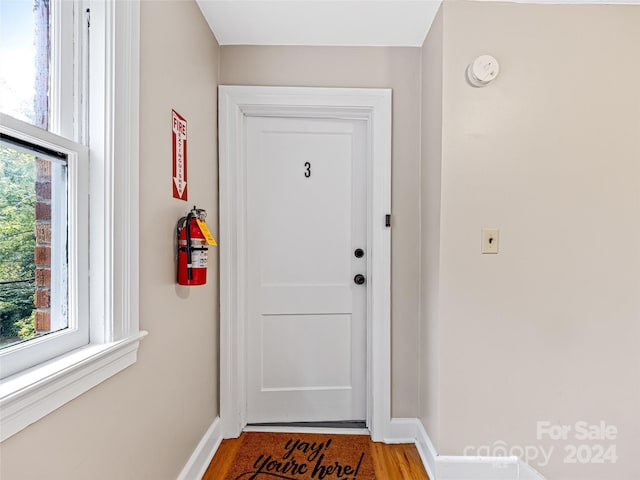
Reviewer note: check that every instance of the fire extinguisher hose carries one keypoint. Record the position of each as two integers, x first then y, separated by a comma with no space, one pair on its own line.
188,227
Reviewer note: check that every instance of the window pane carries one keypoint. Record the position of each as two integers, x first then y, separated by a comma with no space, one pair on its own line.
33,245
24,60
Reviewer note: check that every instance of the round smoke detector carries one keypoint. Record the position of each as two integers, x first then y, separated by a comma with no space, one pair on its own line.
483,70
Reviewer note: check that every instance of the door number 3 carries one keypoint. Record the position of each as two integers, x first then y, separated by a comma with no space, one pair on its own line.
307,172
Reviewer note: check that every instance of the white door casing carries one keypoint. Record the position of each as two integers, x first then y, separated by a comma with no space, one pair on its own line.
237,104
306,316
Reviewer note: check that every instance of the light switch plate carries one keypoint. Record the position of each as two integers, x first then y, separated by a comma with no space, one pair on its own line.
490,240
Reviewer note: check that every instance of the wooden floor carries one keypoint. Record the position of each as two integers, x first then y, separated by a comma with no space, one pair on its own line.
391,462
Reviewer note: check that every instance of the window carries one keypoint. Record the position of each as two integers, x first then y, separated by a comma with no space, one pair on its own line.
44,188
43,232
78,333
40,207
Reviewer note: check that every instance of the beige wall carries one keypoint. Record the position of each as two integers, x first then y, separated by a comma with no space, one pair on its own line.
396,68
145,422
548,329
430,204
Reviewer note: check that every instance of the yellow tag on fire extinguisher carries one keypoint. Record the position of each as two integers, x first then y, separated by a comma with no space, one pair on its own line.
207,234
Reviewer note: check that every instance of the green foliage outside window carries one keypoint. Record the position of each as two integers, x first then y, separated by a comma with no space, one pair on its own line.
17,243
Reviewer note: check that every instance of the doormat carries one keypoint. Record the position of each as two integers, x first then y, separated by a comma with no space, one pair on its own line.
293,456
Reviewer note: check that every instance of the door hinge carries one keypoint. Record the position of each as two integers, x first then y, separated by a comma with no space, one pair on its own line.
88,15
387,220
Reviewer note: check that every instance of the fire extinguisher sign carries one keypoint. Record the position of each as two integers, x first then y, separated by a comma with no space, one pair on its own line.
179,139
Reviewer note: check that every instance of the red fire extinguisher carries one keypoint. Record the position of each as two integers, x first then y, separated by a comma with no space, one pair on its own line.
192,248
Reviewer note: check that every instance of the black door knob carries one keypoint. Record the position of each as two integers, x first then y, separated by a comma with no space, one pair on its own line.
359,253
359,279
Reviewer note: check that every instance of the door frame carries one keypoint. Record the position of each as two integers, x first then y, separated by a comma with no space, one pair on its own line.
373,106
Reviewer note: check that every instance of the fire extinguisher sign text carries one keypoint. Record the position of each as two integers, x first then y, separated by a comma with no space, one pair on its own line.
179,140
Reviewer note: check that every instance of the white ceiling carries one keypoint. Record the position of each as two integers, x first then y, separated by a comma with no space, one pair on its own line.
313,22
329,22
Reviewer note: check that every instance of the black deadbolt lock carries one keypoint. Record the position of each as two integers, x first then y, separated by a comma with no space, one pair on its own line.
359,279
359,253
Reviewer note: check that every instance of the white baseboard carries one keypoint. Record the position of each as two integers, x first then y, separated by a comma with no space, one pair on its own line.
403,430
426,450
438,467
201,457
528,473
410,430
477,468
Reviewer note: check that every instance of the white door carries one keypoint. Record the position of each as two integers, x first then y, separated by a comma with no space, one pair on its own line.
306,217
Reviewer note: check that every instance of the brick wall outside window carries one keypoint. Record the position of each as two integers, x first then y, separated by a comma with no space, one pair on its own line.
43,246
42,254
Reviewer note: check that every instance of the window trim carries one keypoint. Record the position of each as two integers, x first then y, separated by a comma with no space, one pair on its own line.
67,66
114,324
74,209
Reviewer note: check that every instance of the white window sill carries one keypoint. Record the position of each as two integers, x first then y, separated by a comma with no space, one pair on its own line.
28,396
